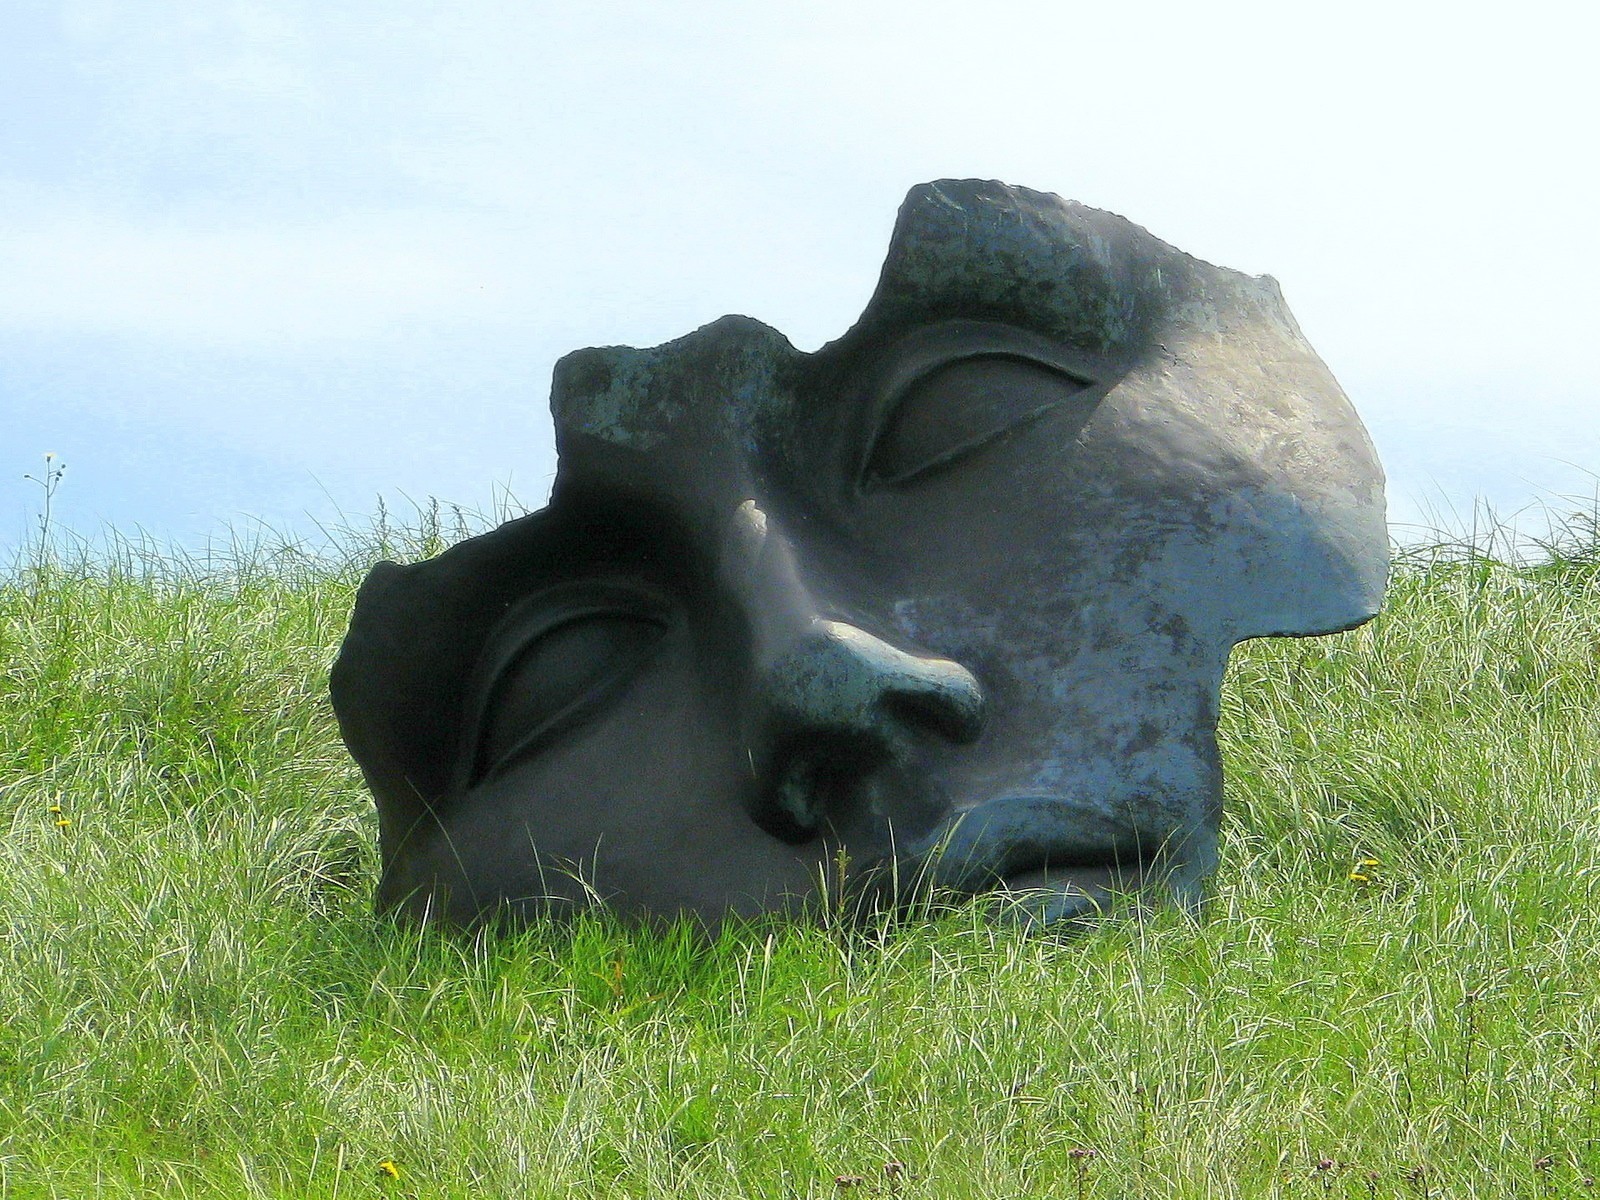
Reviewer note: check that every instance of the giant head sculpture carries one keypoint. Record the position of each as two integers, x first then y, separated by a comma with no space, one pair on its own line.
948,600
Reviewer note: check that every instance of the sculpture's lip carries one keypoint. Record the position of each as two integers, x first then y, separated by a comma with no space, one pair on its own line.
1034,843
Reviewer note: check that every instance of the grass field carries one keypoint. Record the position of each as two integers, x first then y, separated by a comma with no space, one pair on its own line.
1394,992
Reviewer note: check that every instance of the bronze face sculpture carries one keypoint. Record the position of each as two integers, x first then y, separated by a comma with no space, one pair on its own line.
948,600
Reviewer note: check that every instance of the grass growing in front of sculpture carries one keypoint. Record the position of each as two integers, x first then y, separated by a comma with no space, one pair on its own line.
1396,991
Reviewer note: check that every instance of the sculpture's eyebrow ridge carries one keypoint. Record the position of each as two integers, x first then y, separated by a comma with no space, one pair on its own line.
979,248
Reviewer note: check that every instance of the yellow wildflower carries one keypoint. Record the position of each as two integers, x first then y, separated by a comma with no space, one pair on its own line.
388,1167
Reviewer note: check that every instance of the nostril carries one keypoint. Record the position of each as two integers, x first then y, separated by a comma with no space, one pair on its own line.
844,680
815,776
922,691
935,694
955,713
842,714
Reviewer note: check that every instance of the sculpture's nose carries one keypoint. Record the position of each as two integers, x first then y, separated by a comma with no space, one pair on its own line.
841,716
834,709
839,678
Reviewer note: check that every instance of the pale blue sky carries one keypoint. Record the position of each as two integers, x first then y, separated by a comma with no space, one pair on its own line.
262,259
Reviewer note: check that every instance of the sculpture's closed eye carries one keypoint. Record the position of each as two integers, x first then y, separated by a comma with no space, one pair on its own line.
956,408
557,659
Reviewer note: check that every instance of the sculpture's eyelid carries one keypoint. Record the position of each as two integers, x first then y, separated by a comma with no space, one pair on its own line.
937,346
1005,346
905,382
545,611
563,607
508,651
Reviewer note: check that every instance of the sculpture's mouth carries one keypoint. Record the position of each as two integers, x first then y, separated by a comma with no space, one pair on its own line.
1056,858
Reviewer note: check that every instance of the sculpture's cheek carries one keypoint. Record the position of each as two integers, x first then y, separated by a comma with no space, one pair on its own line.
645,805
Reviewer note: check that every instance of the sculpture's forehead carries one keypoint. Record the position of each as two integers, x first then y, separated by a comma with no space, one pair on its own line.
970,250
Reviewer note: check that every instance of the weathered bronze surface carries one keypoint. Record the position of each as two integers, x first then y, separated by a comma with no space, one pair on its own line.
948,600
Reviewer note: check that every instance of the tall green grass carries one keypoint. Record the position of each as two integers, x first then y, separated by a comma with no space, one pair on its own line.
196,1001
